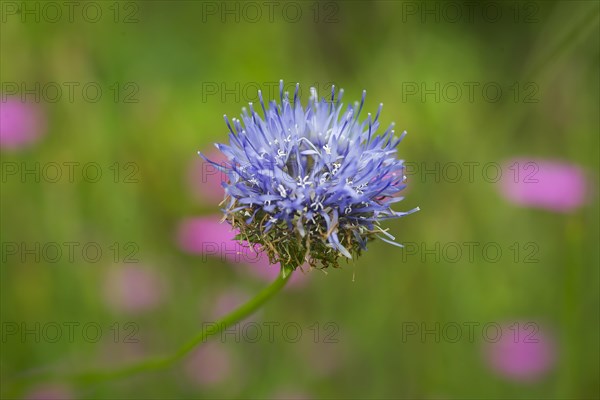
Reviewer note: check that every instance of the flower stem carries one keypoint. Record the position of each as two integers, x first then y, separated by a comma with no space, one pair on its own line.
153,364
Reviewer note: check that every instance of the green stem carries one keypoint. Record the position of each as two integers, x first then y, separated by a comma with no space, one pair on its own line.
153,364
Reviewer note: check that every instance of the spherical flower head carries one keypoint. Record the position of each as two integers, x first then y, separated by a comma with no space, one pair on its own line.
310,184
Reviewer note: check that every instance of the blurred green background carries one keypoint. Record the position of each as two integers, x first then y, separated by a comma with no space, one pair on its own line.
158,64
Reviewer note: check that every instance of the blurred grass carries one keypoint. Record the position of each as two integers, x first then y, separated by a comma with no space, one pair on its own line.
169,54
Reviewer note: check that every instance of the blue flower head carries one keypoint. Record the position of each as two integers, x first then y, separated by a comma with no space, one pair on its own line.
310,184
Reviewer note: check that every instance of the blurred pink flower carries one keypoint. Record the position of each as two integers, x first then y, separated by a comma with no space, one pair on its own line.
552,185
523,353
210,364
206,236
205,179
50,392
133,288
21,124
